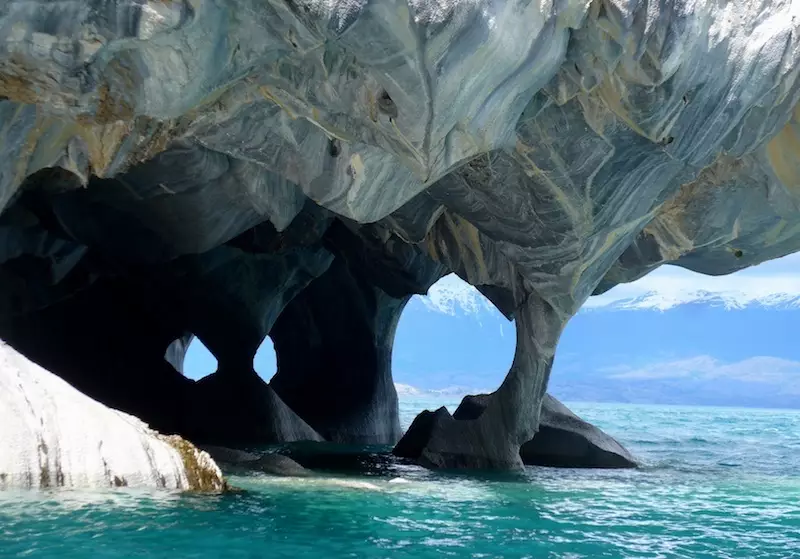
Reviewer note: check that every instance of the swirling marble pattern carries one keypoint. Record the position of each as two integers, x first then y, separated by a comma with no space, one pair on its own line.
543,151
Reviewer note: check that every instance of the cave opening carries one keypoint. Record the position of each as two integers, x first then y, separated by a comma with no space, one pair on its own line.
449,343
199,362
265,363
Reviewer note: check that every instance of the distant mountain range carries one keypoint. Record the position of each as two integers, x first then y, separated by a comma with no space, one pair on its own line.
406,390
729,301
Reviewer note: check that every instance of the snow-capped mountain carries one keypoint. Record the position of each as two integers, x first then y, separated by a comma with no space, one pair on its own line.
451,295
654,300
679,287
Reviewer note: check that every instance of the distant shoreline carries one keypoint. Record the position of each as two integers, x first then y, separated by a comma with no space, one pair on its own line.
456,393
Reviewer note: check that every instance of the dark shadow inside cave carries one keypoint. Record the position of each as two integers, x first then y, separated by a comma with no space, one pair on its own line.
333,346
102,293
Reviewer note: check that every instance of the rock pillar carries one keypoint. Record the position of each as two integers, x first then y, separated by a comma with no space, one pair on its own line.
491,437
334,348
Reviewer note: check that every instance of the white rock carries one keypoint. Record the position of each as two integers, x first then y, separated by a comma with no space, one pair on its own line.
51,435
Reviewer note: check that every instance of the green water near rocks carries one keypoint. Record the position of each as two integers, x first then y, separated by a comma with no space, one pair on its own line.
716,483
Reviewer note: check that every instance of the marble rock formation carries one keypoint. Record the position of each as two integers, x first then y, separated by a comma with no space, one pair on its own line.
271,463
563,439
233,170
54,436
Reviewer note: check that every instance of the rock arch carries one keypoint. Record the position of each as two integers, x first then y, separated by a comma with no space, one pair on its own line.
490,436
453,338
334,344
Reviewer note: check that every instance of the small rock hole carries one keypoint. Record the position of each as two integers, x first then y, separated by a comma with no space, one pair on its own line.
738,253
386,104
198,361
334,148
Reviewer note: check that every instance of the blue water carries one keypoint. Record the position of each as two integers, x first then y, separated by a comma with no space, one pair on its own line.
716,483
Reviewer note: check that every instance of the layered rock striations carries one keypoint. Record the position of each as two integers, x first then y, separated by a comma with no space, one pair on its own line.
54,436
298,169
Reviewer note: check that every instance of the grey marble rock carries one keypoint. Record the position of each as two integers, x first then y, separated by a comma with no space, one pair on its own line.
241,409
565,440
271,463
334,340
226,455
419,433
194,166
280,465
509,416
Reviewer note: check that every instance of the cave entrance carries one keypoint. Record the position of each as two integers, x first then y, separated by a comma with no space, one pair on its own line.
199,362
449,343
265,363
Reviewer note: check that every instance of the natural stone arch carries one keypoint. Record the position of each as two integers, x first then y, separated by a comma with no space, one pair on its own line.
455,338
104,307
491,437
334,340
333,344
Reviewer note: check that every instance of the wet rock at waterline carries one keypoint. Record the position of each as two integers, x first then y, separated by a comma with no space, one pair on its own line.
279,465
563,440
54,436
269,463
177,170
414,440
225,455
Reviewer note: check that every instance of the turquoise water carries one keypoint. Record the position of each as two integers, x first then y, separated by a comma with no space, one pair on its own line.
716,483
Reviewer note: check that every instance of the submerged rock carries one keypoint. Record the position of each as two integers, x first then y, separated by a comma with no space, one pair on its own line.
280,465
225,455
271,463
54,436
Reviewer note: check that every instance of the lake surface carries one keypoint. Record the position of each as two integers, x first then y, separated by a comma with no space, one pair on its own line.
715,483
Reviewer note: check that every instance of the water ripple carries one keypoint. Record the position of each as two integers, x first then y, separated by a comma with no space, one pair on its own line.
716,484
